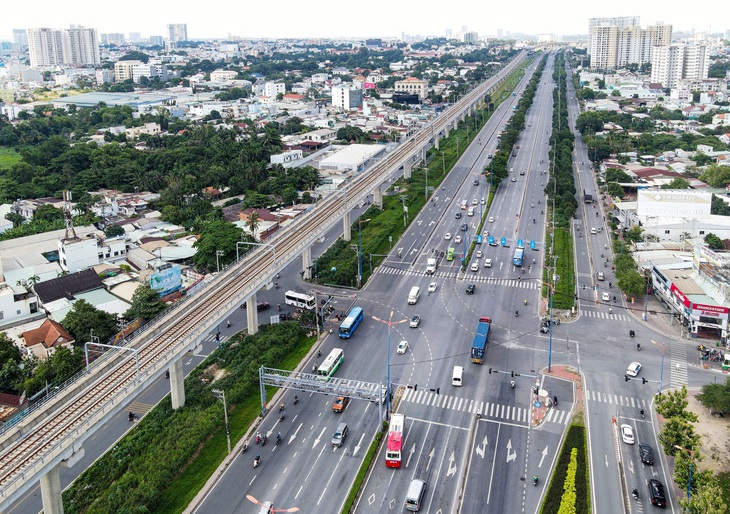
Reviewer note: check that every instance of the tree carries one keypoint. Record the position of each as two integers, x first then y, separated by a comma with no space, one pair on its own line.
47,213
706,499
114,231
146,304
84,319
216,236
673,404
677,183
713,241
11,371
252,223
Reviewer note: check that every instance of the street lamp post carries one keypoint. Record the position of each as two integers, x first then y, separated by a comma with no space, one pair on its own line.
221,395
218,254
359,251
691,460
646,301
389,323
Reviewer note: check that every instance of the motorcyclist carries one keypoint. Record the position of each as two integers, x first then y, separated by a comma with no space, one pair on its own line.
257,460
278,438
517,313
512,384
296,398
534,479
228,323
635,493
525,301
641,412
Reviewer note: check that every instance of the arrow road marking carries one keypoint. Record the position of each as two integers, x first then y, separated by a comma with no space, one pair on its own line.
294,436
316,441
410,454
512,456
430,458
452,470
357,446
542,458
480,449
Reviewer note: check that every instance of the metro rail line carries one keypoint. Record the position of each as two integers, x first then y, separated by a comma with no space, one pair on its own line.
31,449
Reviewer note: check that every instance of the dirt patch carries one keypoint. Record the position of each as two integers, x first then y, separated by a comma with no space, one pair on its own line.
714,436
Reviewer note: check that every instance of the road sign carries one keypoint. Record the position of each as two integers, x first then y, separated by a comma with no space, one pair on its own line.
533,245
519,244
491,241
503,241
478,239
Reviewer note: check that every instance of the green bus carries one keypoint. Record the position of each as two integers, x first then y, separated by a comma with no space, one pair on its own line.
450,253
330,364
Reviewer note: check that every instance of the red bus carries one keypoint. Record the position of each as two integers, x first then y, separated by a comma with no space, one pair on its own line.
395,441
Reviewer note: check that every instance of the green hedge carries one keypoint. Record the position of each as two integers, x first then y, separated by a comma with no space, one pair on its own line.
575,440
178,450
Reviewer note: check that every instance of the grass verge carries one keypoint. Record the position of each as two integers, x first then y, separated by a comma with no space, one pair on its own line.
557,492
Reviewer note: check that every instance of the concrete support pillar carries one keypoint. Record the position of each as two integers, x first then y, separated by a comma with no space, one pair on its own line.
177,381
436,142
407,166
378,197
347,227
446,132
51,492
252,315
456,124
307,262
423,154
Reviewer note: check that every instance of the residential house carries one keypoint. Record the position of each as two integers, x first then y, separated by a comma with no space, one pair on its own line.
46,339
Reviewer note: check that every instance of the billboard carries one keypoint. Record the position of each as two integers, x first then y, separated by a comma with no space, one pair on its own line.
673,203
166,280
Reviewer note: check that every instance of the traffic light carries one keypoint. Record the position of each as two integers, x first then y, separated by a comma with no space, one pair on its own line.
438,390
415,387
643,380
217,336
490,371
513,374
626,378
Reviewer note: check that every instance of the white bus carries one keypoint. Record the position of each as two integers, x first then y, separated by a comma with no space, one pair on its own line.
330,364
300,300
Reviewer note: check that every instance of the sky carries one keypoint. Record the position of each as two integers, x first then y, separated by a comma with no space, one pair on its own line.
297,18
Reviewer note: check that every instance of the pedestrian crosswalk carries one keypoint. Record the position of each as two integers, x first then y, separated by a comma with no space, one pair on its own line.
616,399
210,338
678,362
614,316
526,283
487,410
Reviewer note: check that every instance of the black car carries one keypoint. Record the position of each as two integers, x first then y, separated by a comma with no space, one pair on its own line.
476,182
656,493
470,288
646,453
464,226
458,216
260,306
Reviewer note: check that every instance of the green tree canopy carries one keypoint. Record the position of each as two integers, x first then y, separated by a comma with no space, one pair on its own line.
146,304
217,236
677,183
11,371
713,241
84,319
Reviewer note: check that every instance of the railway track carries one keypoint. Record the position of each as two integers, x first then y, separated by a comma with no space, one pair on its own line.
32,449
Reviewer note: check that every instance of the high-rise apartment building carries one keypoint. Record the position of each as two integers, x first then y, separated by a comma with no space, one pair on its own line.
177,32
81,46
346,97
20,39
613,47
672,63
620,22
51,47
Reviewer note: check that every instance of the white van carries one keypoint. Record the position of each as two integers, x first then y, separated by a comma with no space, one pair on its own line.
470,212
416,492
487,263
413,295
475,266
456,376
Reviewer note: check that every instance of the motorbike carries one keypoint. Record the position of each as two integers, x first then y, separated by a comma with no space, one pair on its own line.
245,446
278,439
555,400
278,307
228,323
281,416
512,384
635,494
533,220
276,285
638,347
632,333
167,374
296,400
258,438
131,416
517,314
264,440
614,299
642,413
534,480
256,461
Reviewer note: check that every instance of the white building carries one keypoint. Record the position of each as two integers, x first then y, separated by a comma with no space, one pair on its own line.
78,254
351,158
675,62
346,97
51,47
613,47
177,32
271,89
620,22
413,86
223,75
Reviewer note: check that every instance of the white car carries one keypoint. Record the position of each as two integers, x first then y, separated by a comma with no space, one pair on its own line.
457,239
633,369
432,287
627,434
475,266
605,296
491,219
511,170
479,254
513,179
447,236
403,346
483,201
475,202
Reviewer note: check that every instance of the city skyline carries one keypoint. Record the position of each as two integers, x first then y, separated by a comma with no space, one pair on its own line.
292,21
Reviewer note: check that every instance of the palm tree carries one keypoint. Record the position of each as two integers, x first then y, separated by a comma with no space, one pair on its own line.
253,222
